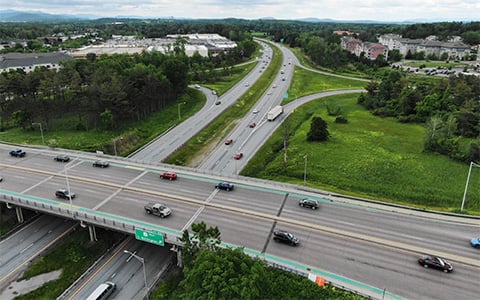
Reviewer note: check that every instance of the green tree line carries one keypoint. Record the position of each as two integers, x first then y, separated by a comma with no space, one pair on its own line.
213,272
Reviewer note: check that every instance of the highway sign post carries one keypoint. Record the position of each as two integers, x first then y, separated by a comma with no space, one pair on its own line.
153,236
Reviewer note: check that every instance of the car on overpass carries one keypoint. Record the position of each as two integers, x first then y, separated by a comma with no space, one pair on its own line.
170,175
285,237
435,262
64,194
101,163
310,203
61,158
17,153
475,242
227,186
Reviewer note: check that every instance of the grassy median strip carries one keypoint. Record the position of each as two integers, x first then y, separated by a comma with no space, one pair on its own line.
73,256
216,131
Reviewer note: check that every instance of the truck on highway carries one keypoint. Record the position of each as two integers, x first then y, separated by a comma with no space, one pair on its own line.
158,209
274,112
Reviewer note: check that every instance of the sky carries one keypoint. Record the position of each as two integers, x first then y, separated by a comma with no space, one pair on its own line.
341,10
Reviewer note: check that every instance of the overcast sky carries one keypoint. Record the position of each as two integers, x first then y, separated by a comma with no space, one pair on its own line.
378,10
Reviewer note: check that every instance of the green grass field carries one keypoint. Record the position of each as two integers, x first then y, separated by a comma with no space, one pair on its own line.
368,157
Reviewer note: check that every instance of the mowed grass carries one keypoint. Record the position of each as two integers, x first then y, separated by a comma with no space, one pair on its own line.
370,157
306,82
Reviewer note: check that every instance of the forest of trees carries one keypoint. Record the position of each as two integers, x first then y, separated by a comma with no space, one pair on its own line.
102,92
450,107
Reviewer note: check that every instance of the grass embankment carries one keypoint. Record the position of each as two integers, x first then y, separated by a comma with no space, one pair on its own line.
306,82
73,256
369,157
216,131
124,140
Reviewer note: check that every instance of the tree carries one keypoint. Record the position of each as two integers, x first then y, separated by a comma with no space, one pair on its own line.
318,130
202,238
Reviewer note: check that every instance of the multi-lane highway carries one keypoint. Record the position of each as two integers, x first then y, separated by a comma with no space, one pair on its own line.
367,244
370,245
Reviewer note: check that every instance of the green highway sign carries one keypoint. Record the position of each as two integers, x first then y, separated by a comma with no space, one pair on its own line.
153,237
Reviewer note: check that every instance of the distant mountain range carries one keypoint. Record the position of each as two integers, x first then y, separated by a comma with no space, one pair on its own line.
29,16
26,16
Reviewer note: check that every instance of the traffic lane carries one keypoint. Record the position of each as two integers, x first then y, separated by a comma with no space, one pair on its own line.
127,272
375,265
20,181
187,186
263,200
237,228
411,230
88,195
132,204
115,173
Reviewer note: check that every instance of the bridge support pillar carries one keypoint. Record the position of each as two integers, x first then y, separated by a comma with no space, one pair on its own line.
93,233
19,212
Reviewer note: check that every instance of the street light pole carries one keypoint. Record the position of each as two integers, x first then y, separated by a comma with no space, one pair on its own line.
179,116
41,131
305,171
142,260
68,184
472,164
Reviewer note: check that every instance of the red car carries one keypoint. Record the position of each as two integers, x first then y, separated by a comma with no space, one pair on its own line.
169,175
238,155
228,141
252,125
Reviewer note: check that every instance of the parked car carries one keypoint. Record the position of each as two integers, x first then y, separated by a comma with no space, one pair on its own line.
17,153
169,175
228,141
310,203
252,125
64,194
430,261
61,158
101,163
475,242
224,186
238,155
285,237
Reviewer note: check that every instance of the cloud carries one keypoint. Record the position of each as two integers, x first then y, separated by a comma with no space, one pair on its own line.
394,10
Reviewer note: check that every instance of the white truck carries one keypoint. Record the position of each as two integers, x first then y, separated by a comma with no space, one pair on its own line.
274,112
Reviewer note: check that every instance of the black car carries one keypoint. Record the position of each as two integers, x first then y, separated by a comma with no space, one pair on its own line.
310,203
224,186
101,163
285,237
430,261
61,158
64,194
17,153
